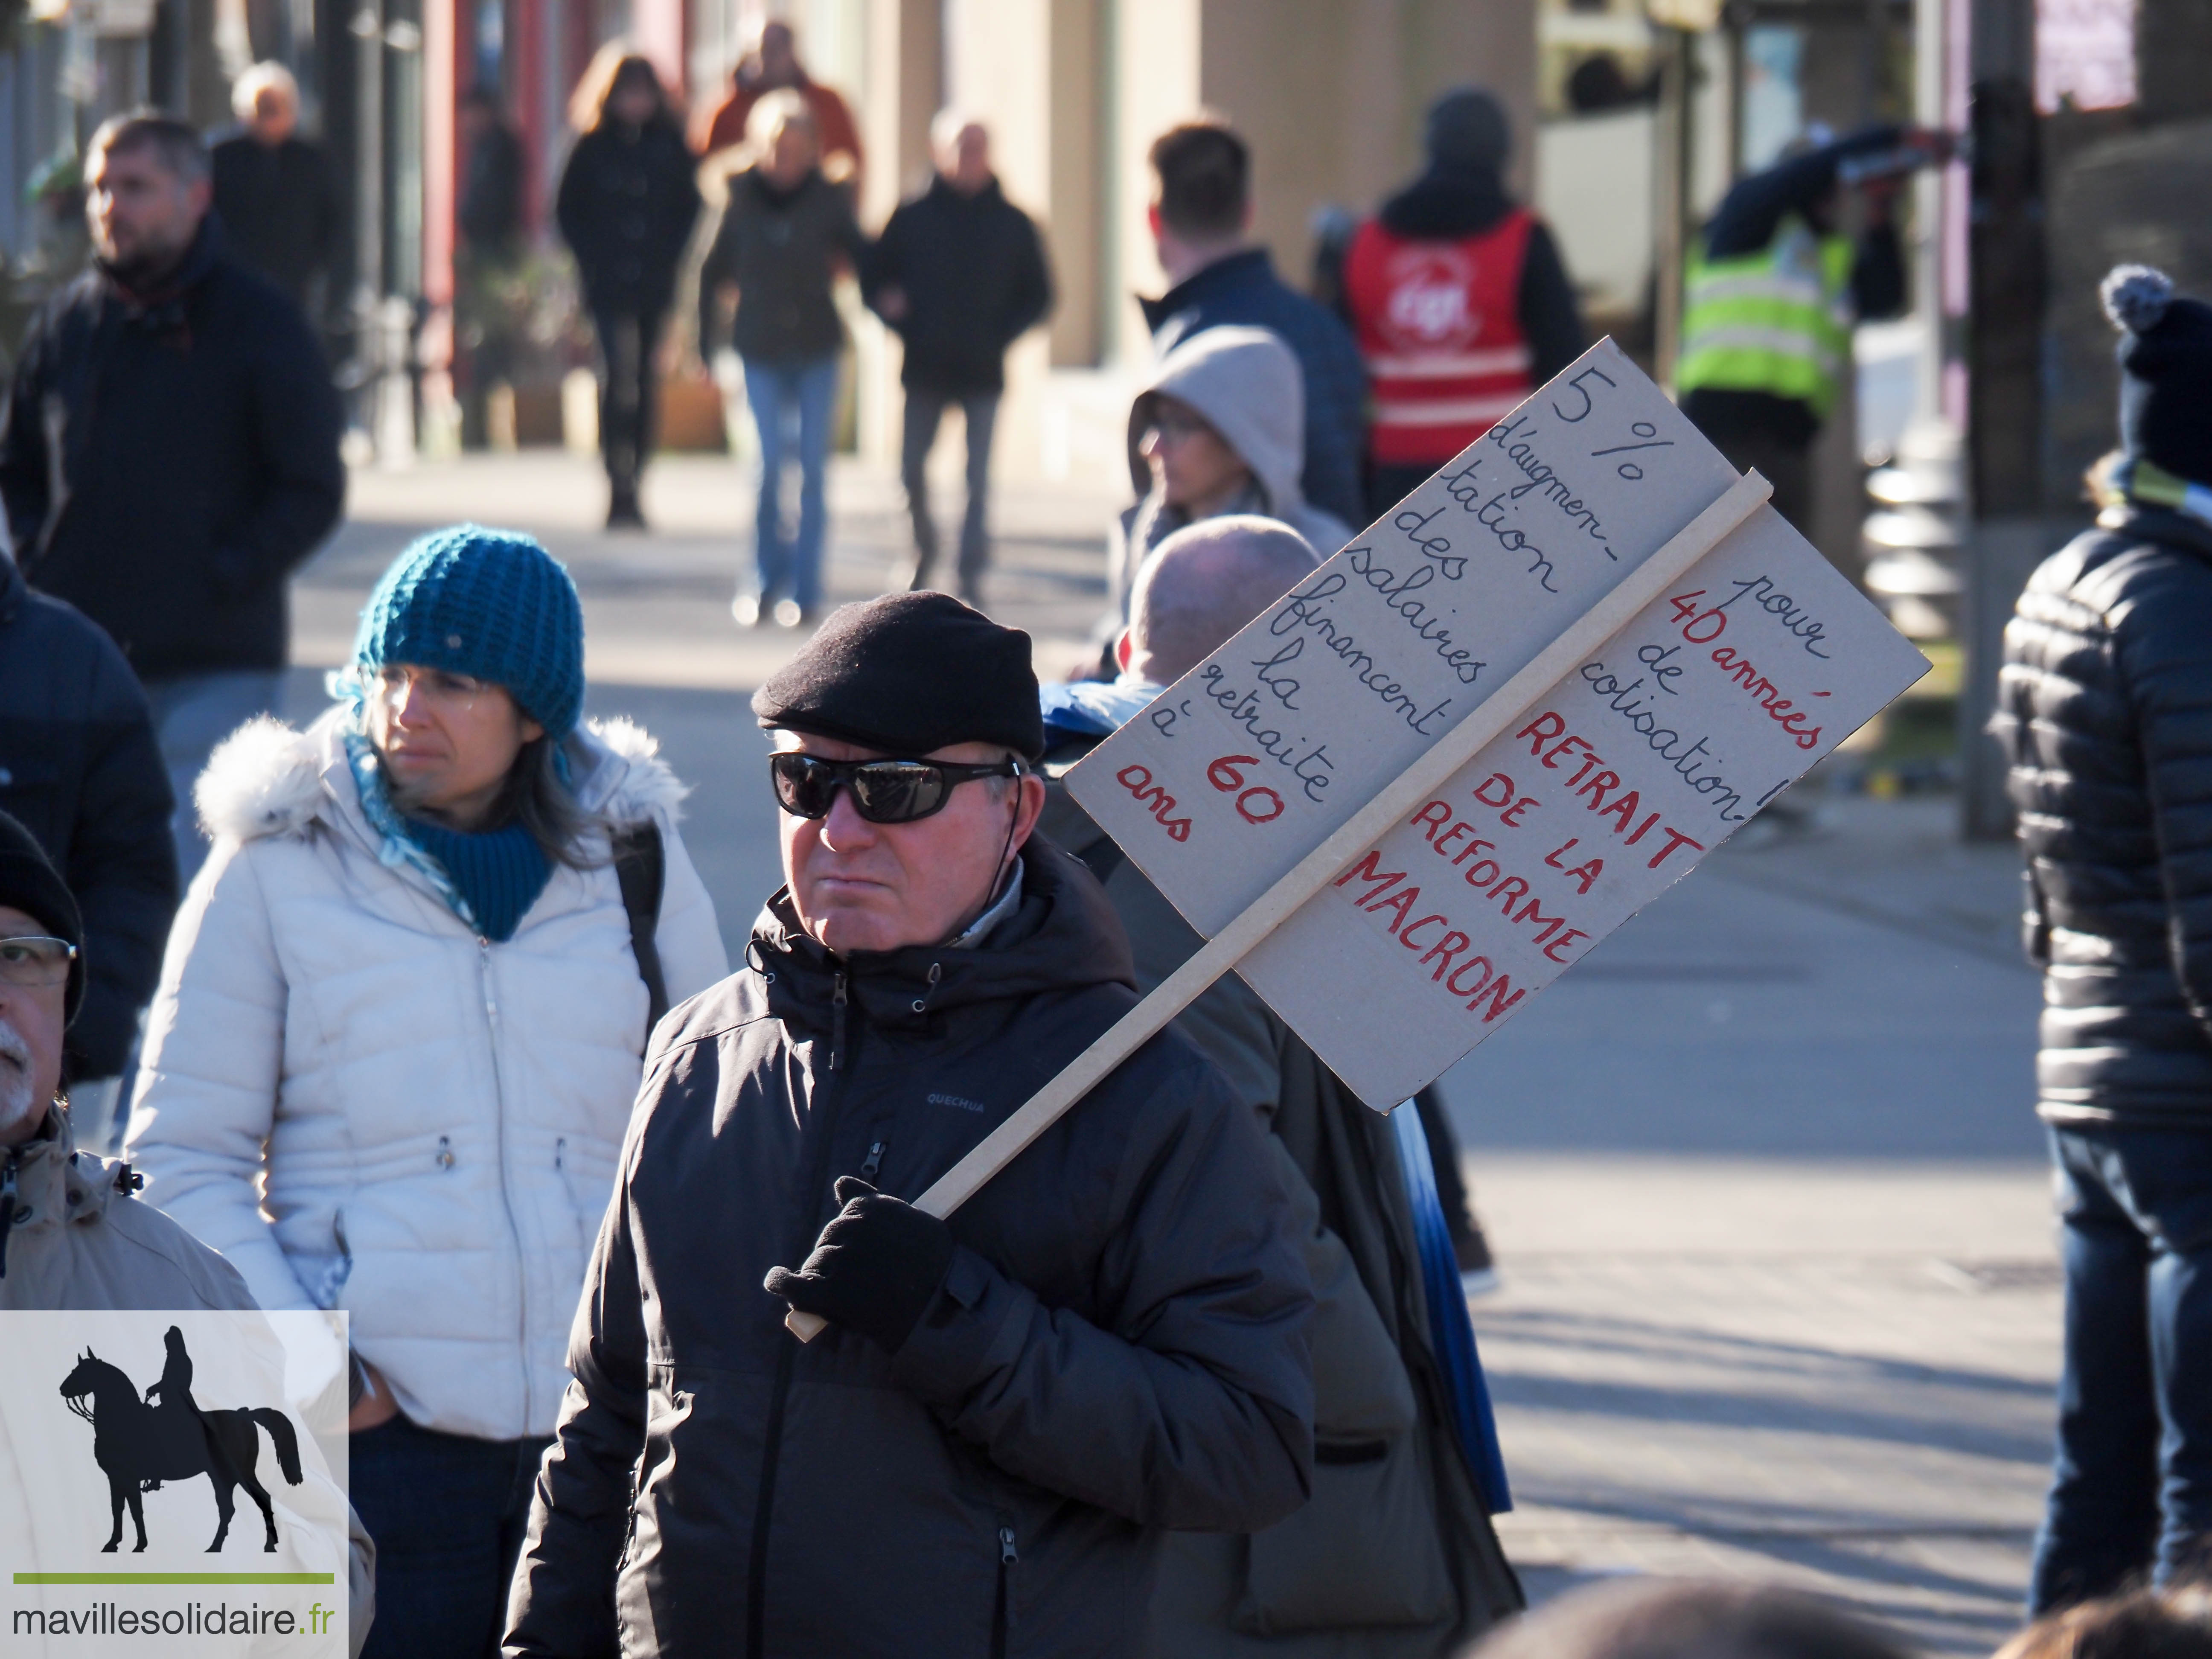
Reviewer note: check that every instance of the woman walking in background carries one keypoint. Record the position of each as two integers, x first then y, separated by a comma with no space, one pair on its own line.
398,1031
629,199
783,238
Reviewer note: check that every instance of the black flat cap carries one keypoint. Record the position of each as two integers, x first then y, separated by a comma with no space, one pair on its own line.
29,883
909,673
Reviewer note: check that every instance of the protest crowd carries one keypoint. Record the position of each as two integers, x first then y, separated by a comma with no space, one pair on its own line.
421,1010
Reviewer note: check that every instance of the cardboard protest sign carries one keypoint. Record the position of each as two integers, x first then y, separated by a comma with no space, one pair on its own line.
1435,774
1648,755
1399,636
1653,746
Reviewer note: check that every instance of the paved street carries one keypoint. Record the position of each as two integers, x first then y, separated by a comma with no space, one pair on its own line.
1780,1296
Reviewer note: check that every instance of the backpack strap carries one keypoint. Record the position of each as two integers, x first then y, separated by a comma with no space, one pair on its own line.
640,868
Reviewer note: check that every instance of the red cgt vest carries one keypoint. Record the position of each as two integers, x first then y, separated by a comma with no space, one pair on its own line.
1439,326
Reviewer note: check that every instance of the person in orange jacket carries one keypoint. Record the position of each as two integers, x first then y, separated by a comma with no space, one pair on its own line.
773,65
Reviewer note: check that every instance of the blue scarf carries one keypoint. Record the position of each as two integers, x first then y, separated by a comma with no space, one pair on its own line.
489,878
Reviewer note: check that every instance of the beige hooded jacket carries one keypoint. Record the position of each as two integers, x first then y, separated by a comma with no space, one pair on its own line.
75,1237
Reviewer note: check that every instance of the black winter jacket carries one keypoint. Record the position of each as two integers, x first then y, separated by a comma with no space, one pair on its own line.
279,208
781,247
197,461
975,278
1119,1346
2105,709
628,200
79,766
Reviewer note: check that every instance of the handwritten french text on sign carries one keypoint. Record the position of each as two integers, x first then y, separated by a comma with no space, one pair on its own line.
1604,794
1396,639
1603,791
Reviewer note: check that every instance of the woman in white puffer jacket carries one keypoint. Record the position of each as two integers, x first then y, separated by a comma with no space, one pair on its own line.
397,1036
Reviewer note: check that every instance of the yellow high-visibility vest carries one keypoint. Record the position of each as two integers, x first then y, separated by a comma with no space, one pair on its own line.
1777,321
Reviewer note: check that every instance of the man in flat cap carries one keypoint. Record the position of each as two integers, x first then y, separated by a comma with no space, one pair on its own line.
980,1454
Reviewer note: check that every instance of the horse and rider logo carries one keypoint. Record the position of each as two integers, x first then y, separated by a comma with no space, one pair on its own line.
139,1444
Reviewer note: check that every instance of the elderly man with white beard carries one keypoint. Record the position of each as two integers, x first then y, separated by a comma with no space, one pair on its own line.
72,1234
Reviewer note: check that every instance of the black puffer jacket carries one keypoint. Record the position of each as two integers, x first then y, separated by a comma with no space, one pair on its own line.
80,768
629,198
975,278
2105,709
199,464
1119,1346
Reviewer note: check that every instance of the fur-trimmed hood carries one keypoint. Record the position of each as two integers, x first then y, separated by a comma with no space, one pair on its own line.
267,779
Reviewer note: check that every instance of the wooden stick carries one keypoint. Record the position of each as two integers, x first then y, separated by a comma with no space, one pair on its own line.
1429,771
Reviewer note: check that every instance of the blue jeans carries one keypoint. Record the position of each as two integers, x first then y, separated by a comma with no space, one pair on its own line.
447,1514
2131,1483
192,712
783,395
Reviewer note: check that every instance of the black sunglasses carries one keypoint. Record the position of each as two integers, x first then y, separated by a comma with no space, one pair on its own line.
884,791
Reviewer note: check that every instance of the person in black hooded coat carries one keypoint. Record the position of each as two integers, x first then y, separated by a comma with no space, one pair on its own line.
2104,711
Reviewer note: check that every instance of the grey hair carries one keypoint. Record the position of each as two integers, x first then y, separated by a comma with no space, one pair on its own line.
246,91
1205,582
2135,297
182,154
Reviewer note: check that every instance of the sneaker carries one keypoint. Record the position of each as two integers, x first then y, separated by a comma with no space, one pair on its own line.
745,611
788,614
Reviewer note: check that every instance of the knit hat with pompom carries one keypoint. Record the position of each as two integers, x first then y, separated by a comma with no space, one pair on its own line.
489,604
2166,372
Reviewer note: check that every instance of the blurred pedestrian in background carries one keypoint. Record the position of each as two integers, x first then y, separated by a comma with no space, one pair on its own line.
399,1032
486,262
627,204
773,65
170,448
960,275
1394,1553
1215,431
1460,301
1201,223
1772,287
2102,710
786,233
274,192
80,768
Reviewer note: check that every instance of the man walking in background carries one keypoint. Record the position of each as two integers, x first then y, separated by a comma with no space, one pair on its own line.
960,274
773,65
1459,299
169,448
1201,221
273,188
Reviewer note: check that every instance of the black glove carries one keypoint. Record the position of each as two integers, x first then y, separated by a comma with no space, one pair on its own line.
875,1267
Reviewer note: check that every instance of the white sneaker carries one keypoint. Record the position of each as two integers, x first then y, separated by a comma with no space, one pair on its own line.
787,613
745,609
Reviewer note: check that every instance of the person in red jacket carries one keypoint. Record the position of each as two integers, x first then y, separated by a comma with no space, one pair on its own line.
1459,300
773,65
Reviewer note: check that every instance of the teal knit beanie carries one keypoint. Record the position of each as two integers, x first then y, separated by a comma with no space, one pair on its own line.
490,604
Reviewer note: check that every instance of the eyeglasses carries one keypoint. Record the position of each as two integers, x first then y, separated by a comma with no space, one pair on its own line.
448,693
36,960
1171,426
884,791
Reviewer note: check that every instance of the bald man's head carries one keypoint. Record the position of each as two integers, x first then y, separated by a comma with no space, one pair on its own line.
1204,583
